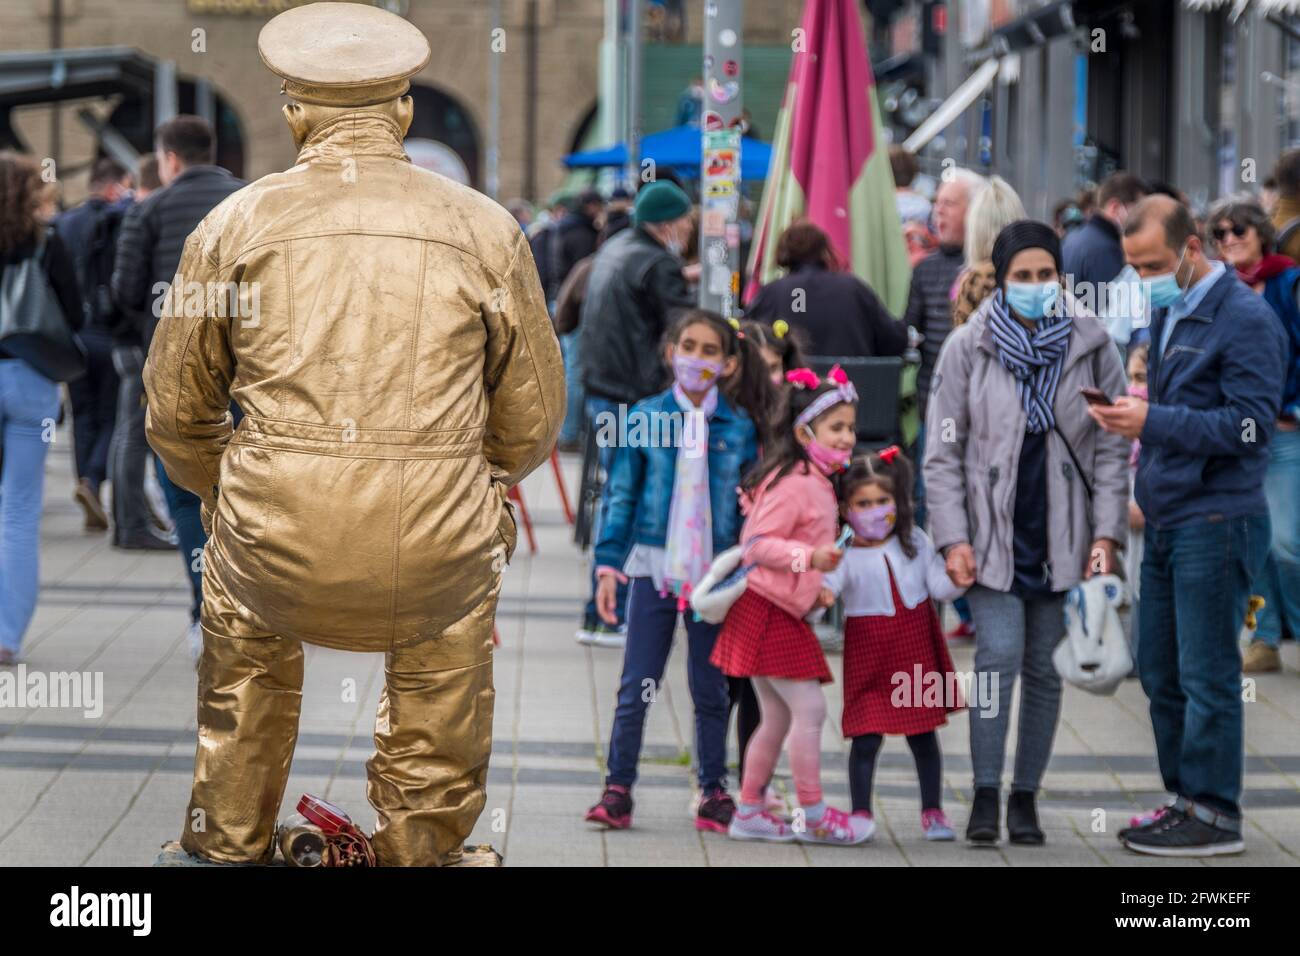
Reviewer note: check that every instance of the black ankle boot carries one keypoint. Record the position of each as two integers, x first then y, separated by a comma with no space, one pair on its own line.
1022,819
982,827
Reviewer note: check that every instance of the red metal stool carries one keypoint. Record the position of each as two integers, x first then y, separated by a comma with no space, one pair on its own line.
559,484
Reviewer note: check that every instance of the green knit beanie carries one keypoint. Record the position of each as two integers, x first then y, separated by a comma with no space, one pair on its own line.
660,201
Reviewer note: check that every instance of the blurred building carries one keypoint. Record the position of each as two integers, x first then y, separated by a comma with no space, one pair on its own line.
1054,95
122,59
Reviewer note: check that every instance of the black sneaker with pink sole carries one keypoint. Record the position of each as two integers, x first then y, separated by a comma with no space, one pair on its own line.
715,811
614,810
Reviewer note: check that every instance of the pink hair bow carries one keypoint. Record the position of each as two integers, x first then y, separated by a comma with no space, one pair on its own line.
803,378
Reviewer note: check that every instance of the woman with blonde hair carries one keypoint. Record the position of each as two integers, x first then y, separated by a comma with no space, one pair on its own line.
992,208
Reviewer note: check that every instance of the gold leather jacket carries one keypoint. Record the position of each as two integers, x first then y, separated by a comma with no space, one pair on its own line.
384,332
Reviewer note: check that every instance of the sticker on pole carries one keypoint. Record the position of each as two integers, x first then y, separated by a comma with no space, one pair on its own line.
721,163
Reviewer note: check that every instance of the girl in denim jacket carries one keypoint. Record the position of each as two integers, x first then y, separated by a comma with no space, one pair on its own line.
672,506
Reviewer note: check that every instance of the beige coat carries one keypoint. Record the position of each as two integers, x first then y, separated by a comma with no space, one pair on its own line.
392,354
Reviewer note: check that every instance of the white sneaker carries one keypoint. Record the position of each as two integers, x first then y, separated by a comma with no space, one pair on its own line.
194,639
760,825
616,639
837,828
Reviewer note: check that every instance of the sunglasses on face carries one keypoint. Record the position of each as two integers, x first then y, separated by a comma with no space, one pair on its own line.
1237,230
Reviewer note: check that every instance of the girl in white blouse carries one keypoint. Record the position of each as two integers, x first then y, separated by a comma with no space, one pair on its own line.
898,675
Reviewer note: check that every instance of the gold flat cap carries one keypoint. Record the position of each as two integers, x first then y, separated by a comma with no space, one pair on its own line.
343,54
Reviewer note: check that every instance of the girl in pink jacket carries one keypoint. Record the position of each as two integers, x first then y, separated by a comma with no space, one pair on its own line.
789,533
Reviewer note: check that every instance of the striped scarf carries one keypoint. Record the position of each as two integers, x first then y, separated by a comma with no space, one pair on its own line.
1035,360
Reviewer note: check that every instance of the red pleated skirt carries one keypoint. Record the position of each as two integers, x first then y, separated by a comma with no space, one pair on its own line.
910,644
758,639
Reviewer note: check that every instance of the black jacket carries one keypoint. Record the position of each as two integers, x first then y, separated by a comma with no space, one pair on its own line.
929,309
61,272
153,236
89,232
837,312
636,286
558,248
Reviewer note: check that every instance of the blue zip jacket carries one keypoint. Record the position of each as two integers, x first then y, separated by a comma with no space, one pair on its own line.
645,466
1280,292
1215,394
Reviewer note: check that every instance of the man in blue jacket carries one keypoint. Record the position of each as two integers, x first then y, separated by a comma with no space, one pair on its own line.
1215,383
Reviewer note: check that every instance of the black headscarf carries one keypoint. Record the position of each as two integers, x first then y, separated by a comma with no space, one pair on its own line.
1018,236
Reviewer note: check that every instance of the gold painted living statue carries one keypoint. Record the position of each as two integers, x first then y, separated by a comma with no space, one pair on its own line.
384,332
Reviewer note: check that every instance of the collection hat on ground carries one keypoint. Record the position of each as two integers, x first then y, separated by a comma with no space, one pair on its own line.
660,201
343,54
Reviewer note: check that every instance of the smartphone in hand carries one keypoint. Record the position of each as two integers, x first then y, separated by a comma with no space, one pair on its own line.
1095,396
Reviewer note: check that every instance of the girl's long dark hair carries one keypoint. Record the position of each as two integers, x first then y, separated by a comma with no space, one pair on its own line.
785,453
896,478
748,387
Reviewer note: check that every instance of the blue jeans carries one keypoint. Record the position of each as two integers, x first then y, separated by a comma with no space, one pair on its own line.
185,509
1195,585
29,405
652,620
571,429
594,406
1279,583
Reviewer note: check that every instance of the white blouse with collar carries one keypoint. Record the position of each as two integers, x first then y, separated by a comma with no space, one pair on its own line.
862,577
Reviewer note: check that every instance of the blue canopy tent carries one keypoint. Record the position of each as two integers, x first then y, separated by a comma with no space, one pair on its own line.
678,148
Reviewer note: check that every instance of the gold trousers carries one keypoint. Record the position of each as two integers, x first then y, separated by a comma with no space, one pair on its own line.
433,736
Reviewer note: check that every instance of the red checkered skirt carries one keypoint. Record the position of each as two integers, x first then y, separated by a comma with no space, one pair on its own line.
876,649
758,639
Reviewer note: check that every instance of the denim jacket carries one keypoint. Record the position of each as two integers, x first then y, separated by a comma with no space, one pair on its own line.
640,485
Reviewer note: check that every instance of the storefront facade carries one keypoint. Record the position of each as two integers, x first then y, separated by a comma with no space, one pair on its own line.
1201,94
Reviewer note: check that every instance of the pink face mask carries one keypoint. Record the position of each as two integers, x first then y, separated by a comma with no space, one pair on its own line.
1138,391
695,374
827,459
873,524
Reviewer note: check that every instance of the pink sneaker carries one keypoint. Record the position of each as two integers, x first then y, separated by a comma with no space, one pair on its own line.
837,828
935,825
759,825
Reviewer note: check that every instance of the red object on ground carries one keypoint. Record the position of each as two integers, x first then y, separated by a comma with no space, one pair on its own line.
323,814
964,631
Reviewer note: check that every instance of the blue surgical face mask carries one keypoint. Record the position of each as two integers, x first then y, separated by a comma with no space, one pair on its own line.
1033,300
1163,290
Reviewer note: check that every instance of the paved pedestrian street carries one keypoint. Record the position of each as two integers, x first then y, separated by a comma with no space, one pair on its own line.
109,789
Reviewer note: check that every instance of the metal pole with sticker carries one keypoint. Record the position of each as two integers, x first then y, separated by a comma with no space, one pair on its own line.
720,130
